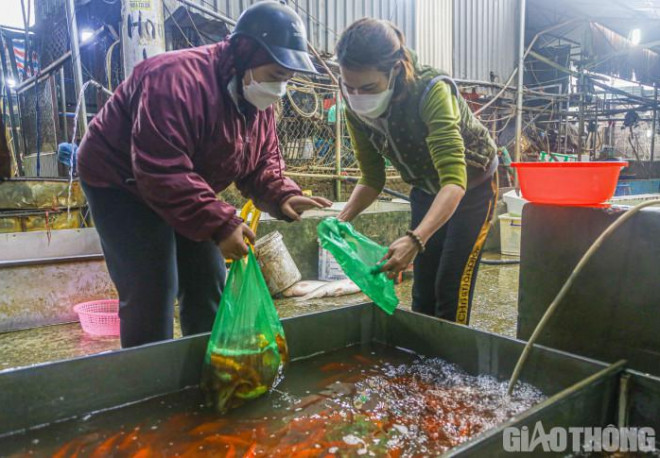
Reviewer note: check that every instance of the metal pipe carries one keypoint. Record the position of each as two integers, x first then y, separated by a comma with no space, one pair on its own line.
65,123
10,101
75,60
389,191
529,48
581,114
58,260
213,14
624,394
338,144
655,120
45,72
341,178
29,65
329,176
323,63
566,124
621,92
521,73
552,63
489,84
500,262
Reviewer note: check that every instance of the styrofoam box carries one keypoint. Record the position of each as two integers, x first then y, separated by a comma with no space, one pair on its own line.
329,270
514,203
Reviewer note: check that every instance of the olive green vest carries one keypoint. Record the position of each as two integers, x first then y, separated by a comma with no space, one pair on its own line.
403,129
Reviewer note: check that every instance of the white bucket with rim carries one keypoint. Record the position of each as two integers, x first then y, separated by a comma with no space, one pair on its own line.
276,263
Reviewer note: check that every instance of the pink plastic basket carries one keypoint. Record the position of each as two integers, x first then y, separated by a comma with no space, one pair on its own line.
99,318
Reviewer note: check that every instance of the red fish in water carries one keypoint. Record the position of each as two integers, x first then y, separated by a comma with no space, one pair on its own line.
394,453
335,367
145,452
209,427
62,452
105,449
224,439
364,360
131,438
307,453
252,451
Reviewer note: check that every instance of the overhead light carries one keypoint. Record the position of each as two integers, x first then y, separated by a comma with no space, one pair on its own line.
85,35
636,36
649,133
11,82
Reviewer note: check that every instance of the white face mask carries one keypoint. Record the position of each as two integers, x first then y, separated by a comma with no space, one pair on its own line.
263,94
371,105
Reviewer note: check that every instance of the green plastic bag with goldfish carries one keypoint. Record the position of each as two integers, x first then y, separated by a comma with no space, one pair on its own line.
247,350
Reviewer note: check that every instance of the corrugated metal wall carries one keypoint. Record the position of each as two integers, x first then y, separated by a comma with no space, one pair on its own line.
326,19
485,38
468,38
435,33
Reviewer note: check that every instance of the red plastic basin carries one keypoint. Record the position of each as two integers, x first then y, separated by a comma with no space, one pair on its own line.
568,183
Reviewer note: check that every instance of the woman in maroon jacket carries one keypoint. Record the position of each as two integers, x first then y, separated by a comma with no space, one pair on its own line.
181,128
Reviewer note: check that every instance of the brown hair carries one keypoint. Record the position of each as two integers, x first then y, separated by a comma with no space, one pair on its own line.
379,44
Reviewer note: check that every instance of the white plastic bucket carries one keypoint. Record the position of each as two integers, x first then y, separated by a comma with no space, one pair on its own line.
510,232
277,265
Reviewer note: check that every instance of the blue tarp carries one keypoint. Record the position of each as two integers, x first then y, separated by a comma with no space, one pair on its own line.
635,187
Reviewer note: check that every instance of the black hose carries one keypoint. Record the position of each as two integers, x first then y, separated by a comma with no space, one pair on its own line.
500,262
389,191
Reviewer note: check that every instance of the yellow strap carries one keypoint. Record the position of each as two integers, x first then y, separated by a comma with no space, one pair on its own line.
251,215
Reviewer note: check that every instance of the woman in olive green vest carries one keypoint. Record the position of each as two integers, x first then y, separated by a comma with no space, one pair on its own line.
415,117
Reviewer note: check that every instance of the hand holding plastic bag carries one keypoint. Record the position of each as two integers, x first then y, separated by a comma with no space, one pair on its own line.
247,349
359,258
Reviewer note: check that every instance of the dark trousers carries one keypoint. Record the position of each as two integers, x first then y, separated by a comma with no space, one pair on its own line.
445,274
152,266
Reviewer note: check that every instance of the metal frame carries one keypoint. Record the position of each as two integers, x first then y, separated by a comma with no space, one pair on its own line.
56,391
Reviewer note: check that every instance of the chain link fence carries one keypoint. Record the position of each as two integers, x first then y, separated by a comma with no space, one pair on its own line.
308,132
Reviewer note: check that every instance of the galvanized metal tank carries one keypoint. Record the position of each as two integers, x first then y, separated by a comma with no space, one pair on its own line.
581,392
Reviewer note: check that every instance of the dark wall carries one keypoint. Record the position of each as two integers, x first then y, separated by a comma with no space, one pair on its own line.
644,169
613,310
5,158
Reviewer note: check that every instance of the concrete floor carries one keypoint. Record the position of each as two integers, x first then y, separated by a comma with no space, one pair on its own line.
494,310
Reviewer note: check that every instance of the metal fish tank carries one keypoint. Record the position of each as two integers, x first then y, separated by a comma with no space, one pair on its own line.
360,383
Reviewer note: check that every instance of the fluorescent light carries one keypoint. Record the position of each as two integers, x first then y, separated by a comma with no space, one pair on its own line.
636,36
11,82
85,35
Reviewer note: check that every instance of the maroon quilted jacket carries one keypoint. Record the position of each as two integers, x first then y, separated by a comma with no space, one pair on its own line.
172,135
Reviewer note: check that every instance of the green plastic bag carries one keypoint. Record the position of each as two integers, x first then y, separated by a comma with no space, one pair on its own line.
247,350
359,258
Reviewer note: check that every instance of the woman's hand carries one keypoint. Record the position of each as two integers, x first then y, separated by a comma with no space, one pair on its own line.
361,197
234,246
401,253
294,206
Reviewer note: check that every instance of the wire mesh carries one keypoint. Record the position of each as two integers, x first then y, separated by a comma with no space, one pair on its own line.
307,128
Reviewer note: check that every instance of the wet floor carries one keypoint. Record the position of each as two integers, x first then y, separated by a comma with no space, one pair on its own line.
494,310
